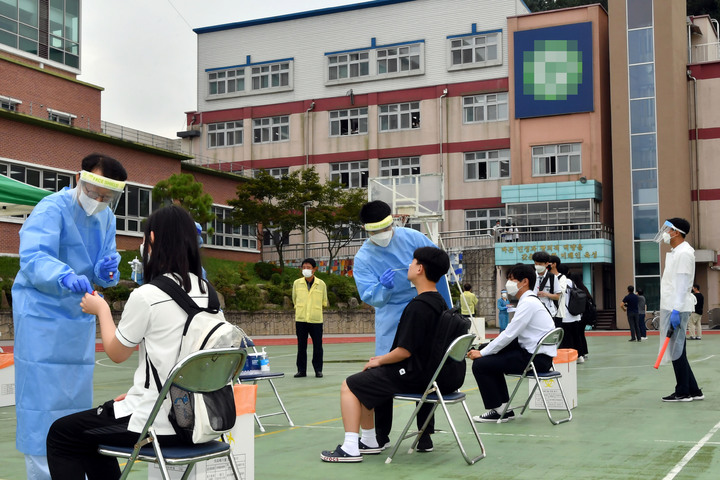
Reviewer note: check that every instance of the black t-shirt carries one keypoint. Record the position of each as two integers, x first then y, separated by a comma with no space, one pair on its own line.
632,302
416,334
700,303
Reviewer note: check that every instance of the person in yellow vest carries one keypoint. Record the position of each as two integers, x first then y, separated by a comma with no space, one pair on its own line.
309,295
467,306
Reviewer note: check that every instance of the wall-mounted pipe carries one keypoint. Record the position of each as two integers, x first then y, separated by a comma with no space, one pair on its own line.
307,133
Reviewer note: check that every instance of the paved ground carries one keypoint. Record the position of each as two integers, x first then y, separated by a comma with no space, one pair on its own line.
620,429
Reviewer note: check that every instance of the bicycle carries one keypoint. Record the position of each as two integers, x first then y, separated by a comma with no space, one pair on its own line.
653,323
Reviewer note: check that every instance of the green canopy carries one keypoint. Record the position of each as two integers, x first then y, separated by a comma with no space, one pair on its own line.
17,198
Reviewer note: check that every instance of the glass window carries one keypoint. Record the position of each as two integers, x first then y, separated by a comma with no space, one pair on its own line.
642,81
225,134
646,221
273,172
644,151
350,174
349,122
644,185
134,207
642,116
271,76
348,65
485,108
395,167
639,13
481,221
487,165
475,51
399,116
557,159
227,235
647,258
271,129
226,81
398,59
640,46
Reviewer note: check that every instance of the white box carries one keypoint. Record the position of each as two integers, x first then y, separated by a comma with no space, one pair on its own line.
7,380
566,364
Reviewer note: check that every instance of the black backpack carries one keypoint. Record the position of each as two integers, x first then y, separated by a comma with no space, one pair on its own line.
577,300
590,314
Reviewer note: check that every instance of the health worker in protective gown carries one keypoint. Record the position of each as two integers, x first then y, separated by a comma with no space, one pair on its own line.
67,244
387,252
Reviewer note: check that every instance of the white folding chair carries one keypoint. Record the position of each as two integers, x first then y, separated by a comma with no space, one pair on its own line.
552,338
457,351
200,372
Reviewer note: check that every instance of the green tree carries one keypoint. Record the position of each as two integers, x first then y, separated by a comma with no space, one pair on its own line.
700,7
184,190
543,5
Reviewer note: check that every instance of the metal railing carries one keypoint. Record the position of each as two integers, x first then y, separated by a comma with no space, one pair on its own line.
705,52
555,232
132,135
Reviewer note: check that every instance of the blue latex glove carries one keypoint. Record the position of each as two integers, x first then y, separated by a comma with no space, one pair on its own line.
387,279
675,319
107,265
77,283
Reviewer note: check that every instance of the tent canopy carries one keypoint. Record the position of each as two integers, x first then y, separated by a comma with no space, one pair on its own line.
17,198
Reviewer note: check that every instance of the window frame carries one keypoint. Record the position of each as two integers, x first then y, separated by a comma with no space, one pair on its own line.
374,55
497,35
63,118
10,104
395,167
484,157
399,113
351,114
491,215
273,123
124,215
482,101
553,156
247,74
245,235
216,132
359,167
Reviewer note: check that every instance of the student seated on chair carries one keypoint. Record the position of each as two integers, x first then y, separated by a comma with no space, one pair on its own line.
150,320
510,352
406,368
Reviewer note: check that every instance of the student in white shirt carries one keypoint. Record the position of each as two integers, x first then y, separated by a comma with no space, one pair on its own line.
510,351
547,287
152,321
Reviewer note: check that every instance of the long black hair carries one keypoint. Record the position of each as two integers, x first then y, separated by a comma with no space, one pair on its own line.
175,248
577,280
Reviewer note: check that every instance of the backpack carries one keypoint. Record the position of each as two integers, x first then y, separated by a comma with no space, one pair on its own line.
590,314
577,300
199,417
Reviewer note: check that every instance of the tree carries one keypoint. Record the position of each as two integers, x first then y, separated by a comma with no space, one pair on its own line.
184,190
700,7
543,5
275,203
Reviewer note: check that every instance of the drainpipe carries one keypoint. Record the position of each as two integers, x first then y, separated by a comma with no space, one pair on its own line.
307,133
689,40
695,159
444,94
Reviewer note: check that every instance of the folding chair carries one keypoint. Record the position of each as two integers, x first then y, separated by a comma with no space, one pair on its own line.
553,338
456,351
254,377
202,372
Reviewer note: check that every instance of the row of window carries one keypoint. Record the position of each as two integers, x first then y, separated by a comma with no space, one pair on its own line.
12,104
465,51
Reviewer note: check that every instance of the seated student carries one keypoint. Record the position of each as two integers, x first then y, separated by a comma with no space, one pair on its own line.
510,351
406,368
155,323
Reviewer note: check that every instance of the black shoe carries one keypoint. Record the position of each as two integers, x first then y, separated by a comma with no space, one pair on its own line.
697,395
678,398
492,416
365,450
339,456
631,340
384,441
300,375
425,444
318,374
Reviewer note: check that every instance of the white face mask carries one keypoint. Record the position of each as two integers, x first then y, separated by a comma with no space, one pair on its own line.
382,239
512,287
504,295
307,273
666,237
539,269
90,206
142,248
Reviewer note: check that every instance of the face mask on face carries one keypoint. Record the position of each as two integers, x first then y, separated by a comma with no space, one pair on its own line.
142,248
90,206
382,239
307,273
504,295
666,237
539,269
512,287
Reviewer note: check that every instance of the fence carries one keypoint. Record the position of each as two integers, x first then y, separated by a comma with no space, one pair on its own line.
132,135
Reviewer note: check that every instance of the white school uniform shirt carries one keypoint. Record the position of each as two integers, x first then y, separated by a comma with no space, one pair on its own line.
152,320
565,300
549,303
677,279
529,325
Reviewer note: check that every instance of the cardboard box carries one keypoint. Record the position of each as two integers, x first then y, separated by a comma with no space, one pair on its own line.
7,380
565,363
242,441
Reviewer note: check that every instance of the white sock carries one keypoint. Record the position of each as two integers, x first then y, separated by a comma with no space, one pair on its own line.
350,446
501,407
369,438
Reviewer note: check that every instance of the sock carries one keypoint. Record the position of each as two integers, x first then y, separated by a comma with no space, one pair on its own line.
350,446
369,438
501,407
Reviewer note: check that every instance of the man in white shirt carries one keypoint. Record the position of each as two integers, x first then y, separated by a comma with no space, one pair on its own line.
511,350
547,286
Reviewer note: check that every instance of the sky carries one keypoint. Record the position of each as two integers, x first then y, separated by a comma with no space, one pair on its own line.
144,53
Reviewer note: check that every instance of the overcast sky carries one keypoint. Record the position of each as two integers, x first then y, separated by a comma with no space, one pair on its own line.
144,52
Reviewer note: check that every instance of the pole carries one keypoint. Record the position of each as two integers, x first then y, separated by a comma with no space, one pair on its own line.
305,230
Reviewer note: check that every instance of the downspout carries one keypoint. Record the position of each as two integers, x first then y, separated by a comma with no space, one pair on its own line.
695,159
307,133
689,40
444,94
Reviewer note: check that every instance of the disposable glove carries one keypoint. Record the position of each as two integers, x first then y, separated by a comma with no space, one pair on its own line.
387,279
107,266
77,283
675,319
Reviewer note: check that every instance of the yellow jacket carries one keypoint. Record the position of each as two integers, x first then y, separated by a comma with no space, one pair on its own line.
309,303
471,302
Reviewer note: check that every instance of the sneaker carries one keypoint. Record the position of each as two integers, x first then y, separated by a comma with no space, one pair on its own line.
677,398
425,444
581,359
492,416
698,396
631,340
300,374
365,450
339,456
642,339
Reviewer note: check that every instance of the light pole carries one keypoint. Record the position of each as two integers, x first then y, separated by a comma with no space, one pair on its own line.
305,207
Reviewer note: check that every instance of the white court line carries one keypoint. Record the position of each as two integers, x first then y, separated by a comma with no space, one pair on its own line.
113,365
688,456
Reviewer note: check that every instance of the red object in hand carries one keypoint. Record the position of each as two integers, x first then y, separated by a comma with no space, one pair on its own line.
664,347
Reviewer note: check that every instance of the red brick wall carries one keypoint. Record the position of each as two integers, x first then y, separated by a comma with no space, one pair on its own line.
220,188
9,238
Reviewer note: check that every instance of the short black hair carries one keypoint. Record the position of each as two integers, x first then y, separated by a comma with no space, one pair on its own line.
695,285
682,224
564,269
467,287
374,211
435,262
540,257
631,289
520,271
555,259
639,292
110,167
311,261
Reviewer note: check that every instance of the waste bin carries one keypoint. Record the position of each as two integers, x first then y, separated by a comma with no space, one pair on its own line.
566,363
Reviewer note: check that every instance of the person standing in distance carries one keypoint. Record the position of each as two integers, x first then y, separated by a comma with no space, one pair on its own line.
467,306
676,303
630,303
67,244
309,295
695,324
502,305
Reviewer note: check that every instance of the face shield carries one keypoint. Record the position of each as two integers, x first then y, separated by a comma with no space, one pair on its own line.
664,232
380,232
96,193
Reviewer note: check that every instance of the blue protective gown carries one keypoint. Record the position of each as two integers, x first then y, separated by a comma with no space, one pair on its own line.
370,263
503,315
54,340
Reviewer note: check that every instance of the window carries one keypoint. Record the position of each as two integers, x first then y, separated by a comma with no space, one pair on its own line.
485,108
271,76
64,26
134,207
394,167
8,103
61,117
50,180
475,51
230,236
398,59
348,65
488,165
225,134
273,172
350,174
542,214
228,81
481,221
399,116
349,122
556,159
271,129
269,241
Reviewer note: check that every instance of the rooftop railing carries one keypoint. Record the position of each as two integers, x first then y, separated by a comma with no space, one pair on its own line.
132,135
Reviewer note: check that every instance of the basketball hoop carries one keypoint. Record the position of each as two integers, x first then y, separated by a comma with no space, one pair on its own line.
402,215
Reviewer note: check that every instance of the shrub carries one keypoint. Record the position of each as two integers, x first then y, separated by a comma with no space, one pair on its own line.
117,293
276,279
277,294
265,270
248,298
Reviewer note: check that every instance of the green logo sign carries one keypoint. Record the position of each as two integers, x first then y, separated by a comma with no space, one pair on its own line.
553,70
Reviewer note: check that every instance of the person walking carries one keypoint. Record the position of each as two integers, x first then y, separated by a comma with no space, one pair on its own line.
309,295
642,312
630,304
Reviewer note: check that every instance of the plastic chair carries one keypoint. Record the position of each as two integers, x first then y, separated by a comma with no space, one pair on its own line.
254,377
553,338
456,351
203,371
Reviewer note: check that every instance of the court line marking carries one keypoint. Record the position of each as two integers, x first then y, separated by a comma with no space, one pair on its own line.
688,456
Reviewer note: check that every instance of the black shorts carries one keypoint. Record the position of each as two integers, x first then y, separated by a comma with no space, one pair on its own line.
377,385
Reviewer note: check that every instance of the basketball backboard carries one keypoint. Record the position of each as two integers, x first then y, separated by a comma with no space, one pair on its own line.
420,197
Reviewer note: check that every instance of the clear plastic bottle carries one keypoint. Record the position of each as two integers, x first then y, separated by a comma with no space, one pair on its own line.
264,361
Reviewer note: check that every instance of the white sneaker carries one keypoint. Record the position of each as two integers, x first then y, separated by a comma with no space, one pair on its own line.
581,359
642,339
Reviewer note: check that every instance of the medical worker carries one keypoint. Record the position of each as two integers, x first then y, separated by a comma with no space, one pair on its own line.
676,304
67,244
386,252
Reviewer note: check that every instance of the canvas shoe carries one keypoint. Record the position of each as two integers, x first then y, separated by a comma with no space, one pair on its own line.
677,398
365,450
425,444
580,359
492,416
339,456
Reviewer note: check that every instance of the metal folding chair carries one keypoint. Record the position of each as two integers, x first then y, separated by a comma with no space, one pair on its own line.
457,351
202,372
254,377
553,338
